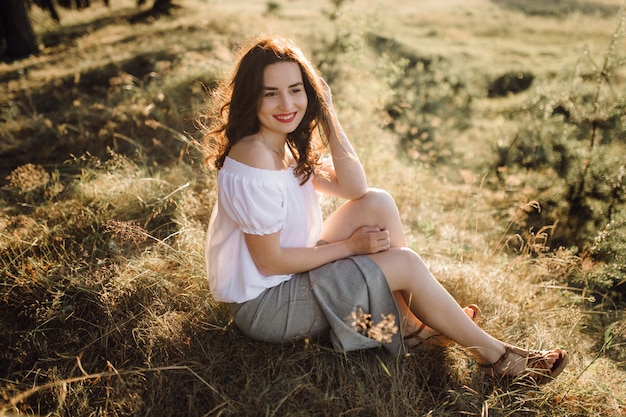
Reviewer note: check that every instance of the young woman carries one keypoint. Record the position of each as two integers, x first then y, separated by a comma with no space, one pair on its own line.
288,274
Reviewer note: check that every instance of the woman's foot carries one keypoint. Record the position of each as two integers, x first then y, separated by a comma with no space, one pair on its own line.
425,334
541,366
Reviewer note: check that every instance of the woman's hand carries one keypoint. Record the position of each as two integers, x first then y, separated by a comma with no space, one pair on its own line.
369,239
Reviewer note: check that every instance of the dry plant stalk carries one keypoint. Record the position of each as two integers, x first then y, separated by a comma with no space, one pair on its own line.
126,231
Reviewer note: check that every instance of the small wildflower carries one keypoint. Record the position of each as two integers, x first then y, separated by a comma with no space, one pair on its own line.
360,321
382,332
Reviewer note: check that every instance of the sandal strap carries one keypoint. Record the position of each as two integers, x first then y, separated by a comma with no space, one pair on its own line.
415,333
536,365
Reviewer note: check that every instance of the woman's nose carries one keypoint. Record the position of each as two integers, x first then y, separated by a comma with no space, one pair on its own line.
285,101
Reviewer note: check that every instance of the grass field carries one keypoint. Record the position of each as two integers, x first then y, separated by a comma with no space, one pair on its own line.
104,202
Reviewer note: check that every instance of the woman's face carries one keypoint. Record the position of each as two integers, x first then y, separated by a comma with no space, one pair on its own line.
283,98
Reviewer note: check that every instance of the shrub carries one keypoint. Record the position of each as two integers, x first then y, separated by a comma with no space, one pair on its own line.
576,140
609,253
427,95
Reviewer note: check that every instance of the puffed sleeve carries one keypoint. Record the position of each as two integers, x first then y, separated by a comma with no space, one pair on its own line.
255,204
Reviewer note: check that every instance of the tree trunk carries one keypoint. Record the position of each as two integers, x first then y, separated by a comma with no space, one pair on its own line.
17,29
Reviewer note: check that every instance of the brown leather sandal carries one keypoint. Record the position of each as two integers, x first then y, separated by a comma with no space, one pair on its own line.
536,365
414,338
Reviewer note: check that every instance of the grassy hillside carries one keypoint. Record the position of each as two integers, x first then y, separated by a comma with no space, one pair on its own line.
104,201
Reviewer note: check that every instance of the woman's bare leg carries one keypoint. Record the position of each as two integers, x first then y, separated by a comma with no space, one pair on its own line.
407,274
376,208
405,271
432,303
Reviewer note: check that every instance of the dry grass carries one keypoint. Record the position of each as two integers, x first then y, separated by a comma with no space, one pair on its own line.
104,305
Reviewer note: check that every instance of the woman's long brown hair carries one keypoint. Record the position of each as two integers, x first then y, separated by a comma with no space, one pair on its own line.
239,98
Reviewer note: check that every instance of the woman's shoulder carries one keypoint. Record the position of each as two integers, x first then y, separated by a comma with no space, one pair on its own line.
252,153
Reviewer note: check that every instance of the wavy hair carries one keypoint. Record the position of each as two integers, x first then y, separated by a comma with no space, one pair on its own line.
238,99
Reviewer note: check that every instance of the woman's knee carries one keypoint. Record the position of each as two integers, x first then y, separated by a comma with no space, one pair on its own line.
378,194
379,199
400,266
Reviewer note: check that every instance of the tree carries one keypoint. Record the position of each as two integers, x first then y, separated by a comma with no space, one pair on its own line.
16,29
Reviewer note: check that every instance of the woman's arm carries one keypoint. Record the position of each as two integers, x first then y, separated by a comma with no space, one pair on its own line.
347,179
271,259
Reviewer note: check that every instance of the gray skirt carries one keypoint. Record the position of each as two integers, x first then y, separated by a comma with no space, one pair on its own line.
319,303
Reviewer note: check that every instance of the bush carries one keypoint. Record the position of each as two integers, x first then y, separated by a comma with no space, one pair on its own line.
426,95
609,252
577,140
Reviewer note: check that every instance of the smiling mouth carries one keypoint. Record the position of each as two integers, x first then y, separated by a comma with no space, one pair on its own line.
285,118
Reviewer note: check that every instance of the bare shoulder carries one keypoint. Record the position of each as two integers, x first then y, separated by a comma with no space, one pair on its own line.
252,153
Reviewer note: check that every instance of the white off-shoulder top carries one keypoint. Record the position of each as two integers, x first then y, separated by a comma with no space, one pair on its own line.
255,201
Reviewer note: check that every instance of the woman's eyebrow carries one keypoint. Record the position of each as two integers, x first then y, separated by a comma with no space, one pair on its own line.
291,86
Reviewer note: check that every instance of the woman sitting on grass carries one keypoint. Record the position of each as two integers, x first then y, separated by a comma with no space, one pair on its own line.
287,274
